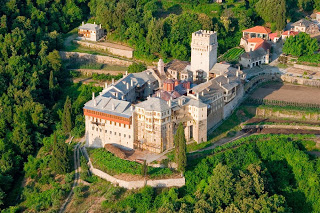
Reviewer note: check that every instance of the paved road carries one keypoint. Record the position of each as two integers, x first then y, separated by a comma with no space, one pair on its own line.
76,160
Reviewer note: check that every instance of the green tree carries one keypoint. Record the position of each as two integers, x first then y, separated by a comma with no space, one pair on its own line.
300,45
134,68
60,161
273,11
180,148
67,116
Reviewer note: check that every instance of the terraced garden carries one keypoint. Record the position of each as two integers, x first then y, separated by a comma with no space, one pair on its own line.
231,55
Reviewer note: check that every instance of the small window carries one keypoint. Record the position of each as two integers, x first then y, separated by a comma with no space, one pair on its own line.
110,132
129,136
115,133
119,134
124,135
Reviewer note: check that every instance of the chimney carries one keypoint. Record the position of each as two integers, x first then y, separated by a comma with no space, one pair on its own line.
100,26
82,23
113,81
202,93
131,82
220,84
106,85
112,106
169,103
92,95
131,108
197,96
228,80
237,73
116,94
188,91
126,73
94,22
127,85
158,95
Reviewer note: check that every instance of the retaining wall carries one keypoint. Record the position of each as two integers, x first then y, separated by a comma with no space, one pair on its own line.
305,67
116,51
89,72
288,114
93,58
281,127
301,81
177,182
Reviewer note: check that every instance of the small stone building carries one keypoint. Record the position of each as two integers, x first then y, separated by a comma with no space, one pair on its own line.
305,26
91,32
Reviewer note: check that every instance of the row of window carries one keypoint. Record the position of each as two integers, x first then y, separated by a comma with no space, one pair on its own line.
115,133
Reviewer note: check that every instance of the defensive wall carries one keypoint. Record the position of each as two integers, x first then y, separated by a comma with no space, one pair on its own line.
160,183
112,48
245,127
93,58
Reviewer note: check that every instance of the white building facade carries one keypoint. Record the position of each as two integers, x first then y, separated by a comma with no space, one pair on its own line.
204,47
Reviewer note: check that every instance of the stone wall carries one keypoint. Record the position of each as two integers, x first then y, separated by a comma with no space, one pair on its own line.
288,114
281,127
305,67
93,58
176,182
116,51
301,81
89,72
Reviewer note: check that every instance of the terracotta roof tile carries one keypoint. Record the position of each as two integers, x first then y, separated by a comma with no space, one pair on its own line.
258,29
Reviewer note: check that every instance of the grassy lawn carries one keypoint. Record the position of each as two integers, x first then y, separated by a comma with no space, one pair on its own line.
113,165
94,66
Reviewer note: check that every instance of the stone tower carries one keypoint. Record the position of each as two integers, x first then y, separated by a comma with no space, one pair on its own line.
161,67
204,47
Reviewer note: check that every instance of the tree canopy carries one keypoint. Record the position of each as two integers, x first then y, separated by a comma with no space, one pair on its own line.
300,45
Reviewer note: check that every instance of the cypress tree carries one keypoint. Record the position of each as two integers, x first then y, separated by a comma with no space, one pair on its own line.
144,170
180,148
66,117
60,161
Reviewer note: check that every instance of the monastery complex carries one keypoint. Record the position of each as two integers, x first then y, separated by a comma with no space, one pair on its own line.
143,110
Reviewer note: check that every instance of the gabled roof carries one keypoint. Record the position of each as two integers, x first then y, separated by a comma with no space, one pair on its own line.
258,29
273,35
177,65
154,104
254,54
303,22
290,33
106,104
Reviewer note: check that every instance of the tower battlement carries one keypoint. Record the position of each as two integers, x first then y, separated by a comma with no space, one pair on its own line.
204,33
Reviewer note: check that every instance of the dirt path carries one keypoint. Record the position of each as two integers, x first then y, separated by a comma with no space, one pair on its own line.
68,40
76,159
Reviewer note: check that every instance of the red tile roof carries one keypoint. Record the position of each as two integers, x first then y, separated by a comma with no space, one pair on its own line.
273,35
258,29
290,33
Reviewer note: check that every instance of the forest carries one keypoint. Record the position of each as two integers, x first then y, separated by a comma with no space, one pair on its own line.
40,107
260,173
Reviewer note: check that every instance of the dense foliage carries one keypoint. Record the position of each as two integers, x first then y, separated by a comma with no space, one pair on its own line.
256,174
133,68
300,45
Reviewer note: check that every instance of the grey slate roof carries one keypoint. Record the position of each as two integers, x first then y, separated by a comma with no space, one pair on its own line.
88,26
103,104
254,54
138,80
154,104
303,22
